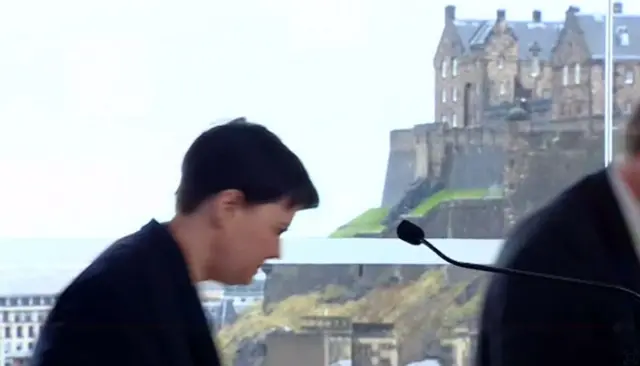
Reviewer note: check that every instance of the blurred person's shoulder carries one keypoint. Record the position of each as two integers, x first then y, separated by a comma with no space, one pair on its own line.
117,275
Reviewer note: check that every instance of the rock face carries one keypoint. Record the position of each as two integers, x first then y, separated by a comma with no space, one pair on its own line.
349,281
424,311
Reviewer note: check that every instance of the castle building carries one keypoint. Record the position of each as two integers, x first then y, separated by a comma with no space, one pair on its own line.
519,116
483,65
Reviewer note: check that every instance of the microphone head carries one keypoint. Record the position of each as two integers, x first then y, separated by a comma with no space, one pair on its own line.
410,232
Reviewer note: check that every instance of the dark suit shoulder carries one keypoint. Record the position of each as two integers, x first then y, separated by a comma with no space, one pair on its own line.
101,288
117,265
80,327
94,313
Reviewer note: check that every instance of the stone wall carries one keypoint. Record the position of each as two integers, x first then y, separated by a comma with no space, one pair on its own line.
401,166
530,161
549,164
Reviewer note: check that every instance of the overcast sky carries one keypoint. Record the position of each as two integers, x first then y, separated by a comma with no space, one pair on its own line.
100,99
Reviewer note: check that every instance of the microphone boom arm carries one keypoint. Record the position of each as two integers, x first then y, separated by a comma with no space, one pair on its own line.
517,272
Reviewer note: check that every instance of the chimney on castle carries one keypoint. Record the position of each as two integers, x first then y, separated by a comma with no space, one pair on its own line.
449,13
573,10
501,15
536,16
617,8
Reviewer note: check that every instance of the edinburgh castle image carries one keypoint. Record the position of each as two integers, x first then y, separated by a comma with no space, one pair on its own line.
519,116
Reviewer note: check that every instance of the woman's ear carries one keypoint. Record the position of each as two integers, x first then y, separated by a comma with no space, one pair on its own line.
225,205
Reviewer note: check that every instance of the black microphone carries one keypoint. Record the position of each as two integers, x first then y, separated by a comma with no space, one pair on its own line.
414,235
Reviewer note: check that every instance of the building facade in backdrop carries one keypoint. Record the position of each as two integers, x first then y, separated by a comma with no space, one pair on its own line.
21,318
558,67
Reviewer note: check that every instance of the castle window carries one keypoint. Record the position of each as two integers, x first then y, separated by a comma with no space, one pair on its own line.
565,75
624,39
454,67
454,94
444,119
576,74
503,88
444,95
629,77
444,68
623,36
501,62
454,120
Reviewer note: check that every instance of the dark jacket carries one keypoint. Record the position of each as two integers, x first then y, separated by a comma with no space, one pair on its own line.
134,305
534,322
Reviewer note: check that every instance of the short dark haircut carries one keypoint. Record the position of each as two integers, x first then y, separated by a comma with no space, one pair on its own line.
247,157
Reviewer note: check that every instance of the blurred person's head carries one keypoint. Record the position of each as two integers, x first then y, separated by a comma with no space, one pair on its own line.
240,189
